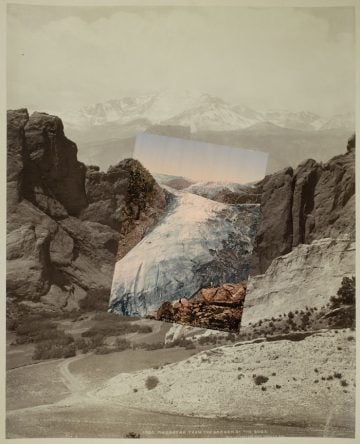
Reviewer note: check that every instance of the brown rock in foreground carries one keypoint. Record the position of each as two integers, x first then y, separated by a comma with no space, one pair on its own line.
217,308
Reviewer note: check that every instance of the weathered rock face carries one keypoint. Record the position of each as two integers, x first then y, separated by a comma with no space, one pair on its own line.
52,173
125,198
298,206
16,121
63,231
306,277
216,308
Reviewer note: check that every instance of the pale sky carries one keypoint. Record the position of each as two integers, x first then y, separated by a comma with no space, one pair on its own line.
295,58
199,160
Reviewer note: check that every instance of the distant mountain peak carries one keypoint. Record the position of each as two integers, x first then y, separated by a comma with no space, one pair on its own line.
198,110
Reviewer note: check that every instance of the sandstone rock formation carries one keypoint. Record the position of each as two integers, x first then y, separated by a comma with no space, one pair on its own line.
218,308
64,220
313,201
306,277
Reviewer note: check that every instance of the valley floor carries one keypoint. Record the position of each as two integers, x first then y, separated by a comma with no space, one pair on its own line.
310,391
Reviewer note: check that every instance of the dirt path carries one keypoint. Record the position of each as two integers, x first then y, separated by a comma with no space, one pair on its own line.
73,383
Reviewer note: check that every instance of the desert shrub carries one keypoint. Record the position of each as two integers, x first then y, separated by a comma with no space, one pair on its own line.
52,350
182,342
263,389
278,386
110,329
259,379
337,375
37,330
345,294
132,435
151,382
344,383
103,350
203,340
82,345
290,315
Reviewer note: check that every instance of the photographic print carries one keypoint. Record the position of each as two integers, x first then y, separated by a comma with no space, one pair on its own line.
192,267
180,221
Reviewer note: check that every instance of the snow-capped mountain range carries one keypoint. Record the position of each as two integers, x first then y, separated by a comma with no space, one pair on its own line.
199,111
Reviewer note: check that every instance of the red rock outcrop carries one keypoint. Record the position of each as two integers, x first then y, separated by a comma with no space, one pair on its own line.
215,308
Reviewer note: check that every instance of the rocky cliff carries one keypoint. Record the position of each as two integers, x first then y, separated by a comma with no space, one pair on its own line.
64,220
306,277
305,243
314,201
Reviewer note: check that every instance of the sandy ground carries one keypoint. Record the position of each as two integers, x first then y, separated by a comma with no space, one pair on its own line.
197,395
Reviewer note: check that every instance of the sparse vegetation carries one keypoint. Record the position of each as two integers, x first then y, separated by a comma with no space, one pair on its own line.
345,294
151,382
259,379
53,350
132,435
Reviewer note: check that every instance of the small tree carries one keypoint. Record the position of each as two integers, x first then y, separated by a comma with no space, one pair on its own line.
345,294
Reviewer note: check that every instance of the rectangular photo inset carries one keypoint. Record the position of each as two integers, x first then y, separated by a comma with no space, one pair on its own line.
191,267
